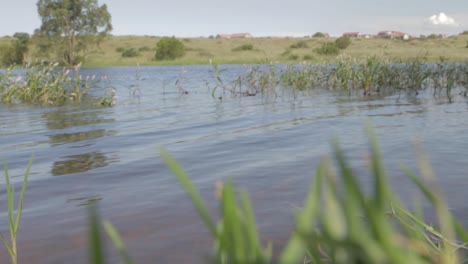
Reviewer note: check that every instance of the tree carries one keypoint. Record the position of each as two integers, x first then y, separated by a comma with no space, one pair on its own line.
14,53
343,42
71,25
169,49
328,48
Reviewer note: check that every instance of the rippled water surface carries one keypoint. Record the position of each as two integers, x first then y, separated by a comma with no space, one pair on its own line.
268,145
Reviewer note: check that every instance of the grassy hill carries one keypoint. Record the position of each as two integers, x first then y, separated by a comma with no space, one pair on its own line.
276,50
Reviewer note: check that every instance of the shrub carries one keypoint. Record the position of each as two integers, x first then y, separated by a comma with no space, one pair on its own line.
328,48
11,54
130,52
169,49
319,35
299,45
343,42
308,57
120,49
144,49
293,57
243,47
286,53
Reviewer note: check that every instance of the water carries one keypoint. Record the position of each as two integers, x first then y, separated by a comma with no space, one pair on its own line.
268,145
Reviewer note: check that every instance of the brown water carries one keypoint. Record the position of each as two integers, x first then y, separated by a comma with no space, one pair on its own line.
268,145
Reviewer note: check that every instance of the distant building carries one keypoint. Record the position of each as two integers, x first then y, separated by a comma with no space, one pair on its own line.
356,35
237,35
393,35
353,34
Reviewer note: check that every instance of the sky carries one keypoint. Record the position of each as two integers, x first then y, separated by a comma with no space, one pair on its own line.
194,18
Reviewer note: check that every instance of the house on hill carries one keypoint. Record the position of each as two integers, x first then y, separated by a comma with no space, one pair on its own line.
237,35
393,35
355,35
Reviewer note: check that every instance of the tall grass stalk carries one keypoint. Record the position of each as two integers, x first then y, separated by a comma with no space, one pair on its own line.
14,219
46,84
339,222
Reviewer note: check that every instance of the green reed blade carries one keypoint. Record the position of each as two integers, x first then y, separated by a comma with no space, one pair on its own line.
23,191
7,245
117,240
305,219
190,189
251,227
232,224
10,199
96,244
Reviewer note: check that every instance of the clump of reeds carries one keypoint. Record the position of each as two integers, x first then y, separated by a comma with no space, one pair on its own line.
46,84
339,222
371,75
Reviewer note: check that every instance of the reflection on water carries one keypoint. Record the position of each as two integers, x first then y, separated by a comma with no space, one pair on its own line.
79,163
81,201
61,119
80,136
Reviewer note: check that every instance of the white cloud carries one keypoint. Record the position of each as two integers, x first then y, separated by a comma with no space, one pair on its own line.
442,19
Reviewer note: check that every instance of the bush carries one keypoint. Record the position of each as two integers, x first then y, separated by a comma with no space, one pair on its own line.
308,57
299,45
294,57
129,53
12,54
343,42
328,48
169,49
144,49
120,49
243,47
319,35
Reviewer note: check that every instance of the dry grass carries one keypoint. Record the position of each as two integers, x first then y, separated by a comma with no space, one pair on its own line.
266,50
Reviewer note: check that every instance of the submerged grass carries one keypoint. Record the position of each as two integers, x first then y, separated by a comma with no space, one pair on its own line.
373,76
47,84
338,223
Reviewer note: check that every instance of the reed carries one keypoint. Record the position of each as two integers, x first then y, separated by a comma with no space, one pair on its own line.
47,84
339,222
14,219
373,76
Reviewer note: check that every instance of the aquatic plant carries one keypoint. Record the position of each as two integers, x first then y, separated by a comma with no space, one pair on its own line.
14,219
45,84
339,222
374,76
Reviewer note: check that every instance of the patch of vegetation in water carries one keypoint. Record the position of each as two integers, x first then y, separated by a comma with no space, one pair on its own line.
48,84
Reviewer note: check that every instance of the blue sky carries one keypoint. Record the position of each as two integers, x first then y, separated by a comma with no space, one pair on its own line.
191,18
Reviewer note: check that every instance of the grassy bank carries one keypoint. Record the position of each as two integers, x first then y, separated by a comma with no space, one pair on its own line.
277,50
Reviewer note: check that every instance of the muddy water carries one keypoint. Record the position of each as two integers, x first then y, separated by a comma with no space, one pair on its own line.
267,145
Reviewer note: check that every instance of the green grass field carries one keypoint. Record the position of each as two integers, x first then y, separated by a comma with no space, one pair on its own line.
267,50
